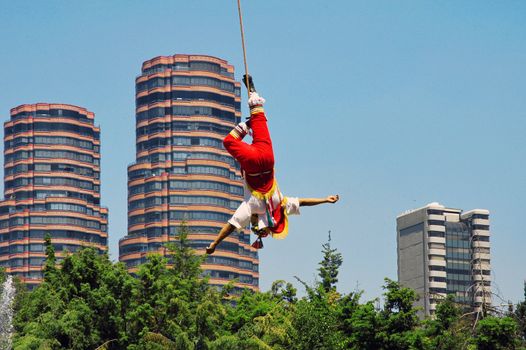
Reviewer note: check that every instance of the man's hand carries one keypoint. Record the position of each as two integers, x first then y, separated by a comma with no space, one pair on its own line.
333,198
211,249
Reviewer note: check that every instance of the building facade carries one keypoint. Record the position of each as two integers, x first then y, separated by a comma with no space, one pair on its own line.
51,185
445,251
185,106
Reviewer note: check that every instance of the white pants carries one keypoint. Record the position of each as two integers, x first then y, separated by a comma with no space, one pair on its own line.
253,205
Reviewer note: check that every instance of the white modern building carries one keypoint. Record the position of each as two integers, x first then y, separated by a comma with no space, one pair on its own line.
445,251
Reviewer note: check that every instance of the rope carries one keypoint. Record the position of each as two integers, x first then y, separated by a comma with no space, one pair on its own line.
243,42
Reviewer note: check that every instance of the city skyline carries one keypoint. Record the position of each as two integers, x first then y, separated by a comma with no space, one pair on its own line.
410,94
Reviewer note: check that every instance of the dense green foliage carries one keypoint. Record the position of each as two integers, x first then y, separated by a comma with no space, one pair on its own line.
520,316
89,302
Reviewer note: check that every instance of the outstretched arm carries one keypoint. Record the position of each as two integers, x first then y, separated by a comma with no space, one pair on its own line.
224,233
306,202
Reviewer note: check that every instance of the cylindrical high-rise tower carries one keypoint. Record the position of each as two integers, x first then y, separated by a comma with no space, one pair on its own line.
51,185
185,106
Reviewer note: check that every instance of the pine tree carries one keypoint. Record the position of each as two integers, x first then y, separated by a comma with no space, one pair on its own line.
329,266
315,318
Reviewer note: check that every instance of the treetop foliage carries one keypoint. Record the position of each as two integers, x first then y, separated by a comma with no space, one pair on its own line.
89,302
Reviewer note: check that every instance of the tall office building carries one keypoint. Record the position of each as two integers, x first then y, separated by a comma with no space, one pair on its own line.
51,185
445,251
185,106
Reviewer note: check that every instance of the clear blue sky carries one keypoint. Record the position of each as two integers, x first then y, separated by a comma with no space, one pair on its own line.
390,104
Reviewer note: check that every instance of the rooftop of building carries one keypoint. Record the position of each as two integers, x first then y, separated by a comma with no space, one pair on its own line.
438,206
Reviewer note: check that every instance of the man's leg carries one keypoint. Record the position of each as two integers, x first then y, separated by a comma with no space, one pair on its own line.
261,140
259,156
257,120
233,143
224,233
240,219
260,133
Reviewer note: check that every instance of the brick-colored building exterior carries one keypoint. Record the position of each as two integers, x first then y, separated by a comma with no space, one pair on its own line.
185,106
51,185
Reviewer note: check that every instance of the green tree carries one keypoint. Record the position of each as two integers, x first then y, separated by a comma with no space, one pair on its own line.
447,330
3,276
79,306
329,266
395,326
173,301
259,320
520,316
315,319
494,333
399,315
88,302
316,323
364,328
284,291
51,261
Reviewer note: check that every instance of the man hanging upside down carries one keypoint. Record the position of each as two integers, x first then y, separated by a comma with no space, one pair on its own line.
265,208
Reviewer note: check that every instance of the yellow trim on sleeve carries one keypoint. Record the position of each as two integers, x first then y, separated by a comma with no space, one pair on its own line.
235,134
